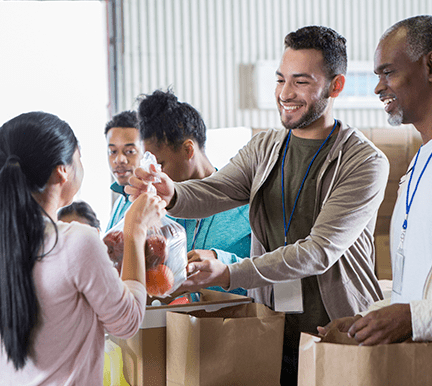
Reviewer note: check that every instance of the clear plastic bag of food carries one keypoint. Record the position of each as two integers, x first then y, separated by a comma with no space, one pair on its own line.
165,251
165,255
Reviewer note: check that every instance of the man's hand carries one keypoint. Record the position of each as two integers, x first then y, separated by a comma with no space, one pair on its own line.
390,324
342,324
141,181
205,274
201,255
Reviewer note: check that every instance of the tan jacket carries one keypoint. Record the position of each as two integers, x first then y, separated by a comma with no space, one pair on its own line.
339,249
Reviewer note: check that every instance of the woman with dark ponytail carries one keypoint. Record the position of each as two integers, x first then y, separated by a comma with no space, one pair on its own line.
59,292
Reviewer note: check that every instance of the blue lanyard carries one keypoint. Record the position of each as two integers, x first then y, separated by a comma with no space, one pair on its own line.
410,201
287,226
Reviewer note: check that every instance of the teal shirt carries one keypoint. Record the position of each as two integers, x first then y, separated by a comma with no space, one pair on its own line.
120,207
227,233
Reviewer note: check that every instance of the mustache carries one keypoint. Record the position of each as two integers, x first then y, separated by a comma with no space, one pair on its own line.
386,96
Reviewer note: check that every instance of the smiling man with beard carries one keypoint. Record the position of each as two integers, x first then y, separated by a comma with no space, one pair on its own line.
314,190
124,155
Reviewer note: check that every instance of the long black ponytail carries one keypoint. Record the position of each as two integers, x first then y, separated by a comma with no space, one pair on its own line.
31,146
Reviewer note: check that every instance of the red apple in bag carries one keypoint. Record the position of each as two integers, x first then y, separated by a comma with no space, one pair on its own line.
115,243
156,251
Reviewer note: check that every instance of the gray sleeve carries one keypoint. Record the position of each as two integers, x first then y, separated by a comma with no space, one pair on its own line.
226,189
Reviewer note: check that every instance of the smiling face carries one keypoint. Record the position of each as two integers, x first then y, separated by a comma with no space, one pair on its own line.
302,89
403,85
124,152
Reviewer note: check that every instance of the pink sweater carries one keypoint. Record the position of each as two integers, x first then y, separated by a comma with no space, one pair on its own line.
80,296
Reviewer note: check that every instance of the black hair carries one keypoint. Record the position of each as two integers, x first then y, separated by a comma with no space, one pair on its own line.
82,209
125,119
324,39
419,35
162,117
31,146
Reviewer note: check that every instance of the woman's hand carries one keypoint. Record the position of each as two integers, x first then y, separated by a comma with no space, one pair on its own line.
142,180
146,211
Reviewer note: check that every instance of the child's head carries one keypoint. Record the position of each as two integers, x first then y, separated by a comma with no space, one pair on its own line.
81,212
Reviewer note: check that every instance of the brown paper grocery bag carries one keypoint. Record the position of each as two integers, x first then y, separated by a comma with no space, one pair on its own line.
338,360
240,345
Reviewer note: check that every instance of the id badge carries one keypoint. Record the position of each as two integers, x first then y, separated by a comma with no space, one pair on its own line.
398,269
288,296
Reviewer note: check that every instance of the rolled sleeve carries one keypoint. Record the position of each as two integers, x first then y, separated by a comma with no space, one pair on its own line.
421,318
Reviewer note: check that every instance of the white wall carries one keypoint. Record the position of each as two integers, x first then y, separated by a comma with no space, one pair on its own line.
53,58
222,144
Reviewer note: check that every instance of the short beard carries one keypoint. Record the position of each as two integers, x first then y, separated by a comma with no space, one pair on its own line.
396,119
312,115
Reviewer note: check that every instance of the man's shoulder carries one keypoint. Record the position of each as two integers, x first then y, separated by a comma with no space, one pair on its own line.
270,134
266,141
354,141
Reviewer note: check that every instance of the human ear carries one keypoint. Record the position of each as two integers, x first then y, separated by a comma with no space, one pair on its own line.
336,85
60,174
429,65
188,147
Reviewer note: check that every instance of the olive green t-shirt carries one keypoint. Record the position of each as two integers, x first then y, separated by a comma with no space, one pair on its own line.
299,155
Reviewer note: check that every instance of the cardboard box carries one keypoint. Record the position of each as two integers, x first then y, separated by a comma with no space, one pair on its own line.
395,136
336,359
144,355
383,260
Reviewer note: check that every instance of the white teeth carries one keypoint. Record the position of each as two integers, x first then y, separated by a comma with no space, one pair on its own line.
290,108
388,101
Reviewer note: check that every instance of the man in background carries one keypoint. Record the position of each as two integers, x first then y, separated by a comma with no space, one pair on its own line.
124,155
403,63
175,134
